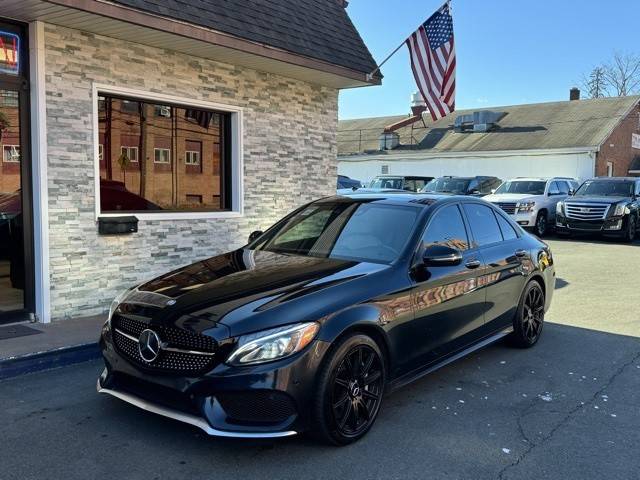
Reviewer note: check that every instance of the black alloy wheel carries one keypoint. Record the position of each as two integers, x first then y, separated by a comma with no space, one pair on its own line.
529,319
631,229
541,224
351,387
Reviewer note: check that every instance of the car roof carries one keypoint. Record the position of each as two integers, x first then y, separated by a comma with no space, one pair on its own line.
409,198
467,178
613,179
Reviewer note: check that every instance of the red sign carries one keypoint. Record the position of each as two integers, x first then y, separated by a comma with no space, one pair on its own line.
9,53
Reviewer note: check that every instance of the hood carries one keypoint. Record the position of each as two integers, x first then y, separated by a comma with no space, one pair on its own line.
594,199
245,290
509,197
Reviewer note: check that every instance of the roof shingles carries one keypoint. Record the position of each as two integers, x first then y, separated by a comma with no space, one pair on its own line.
319,29
554,125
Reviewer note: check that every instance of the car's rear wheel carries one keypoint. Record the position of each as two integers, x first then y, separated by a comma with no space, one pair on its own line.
529,318
350,389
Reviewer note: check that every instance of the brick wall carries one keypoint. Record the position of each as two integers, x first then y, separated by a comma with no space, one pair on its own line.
617,147
289,158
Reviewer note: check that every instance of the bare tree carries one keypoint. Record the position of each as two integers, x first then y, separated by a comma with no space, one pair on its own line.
596,85
623,74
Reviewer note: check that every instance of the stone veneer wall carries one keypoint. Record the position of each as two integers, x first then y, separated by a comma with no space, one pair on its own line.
289,158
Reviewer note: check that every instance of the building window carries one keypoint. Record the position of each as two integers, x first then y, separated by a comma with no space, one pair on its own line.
384,170
154,141
11,153
192,157
161,155
130,152
609,169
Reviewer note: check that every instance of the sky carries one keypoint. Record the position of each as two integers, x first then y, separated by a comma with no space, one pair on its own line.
508,51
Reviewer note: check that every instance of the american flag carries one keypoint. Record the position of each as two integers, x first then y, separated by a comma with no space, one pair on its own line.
433,61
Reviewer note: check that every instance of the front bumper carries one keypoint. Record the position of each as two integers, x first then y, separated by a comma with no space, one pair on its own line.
612,226
261,401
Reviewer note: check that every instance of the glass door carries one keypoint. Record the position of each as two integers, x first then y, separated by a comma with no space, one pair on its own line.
16,253
12,268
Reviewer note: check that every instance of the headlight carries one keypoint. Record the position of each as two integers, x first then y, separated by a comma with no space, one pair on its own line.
273,344
117,301
621,209
559,207
525,206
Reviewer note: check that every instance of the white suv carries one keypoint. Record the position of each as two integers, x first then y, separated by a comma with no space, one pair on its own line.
532,201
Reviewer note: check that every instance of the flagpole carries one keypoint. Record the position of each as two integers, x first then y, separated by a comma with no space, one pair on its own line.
370,75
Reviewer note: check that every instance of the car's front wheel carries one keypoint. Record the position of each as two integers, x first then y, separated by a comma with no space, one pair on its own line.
349,391
529,318
542,224
631,229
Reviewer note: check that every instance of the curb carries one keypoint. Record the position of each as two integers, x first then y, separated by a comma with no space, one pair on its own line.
36,362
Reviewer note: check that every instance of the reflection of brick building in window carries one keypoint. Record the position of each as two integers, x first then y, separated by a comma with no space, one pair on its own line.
177,158
10,143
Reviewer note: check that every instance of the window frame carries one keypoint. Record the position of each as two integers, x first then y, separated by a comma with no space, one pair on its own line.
234,140
129,149
156,150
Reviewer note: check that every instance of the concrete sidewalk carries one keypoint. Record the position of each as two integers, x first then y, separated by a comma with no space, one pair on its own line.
59,344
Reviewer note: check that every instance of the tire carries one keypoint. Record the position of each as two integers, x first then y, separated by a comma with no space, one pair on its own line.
349,391
630,234
542,224
529,319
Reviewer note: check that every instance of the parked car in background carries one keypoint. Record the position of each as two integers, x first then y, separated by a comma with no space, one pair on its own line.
308,326
608,206
345,182
476,186
410,183
531,202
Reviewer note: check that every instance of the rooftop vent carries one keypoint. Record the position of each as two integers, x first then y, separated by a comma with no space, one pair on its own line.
482,121
389,140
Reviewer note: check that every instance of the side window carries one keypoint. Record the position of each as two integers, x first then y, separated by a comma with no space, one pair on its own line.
508,232
638,188
420,185
409,185
484,225
553,189
563,187
447,228
473,185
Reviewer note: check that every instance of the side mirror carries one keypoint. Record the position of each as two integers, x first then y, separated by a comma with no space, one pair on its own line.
255,234
441,256
493,190
572,192
475,191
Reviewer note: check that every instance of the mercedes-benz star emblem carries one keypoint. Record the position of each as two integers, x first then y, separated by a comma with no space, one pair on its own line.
149,345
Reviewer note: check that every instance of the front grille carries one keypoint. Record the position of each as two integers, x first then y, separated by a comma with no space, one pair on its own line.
508,207
182,352
258,406
586,211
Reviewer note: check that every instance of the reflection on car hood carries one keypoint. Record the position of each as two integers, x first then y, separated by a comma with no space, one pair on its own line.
237,288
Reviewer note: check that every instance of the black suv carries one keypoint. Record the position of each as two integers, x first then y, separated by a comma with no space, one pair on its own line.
477,186
609,206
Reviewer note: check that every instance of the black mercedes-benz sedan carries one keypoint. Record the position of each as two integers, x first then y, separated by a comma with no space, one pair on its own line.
308,326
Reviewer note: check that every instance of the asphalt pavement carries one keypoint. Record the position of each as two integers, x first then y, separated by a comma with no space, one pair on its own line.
568,408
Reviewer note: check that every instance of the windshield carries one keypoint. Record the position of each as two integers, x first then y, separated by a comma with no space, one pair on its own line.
606,188
395,183
360,231
528,187
447,185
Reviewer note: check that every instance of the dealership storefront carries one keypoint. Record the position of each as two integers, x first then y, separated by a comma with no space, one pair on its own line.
123,160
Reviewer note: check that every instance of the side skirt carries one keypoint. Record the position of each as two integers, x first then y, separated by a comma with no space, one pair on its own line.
413,376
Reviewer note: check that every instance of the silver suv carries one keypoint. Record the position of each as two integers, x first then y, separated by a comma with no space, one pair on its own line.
532,201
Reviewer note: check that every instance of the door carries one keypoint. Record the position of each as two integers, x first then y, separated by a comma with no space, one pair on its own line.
448,301
16,277
502,250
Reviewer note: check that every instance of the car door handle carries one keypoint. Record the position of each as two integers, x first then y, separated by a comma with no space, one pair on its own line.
520,253
472,264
